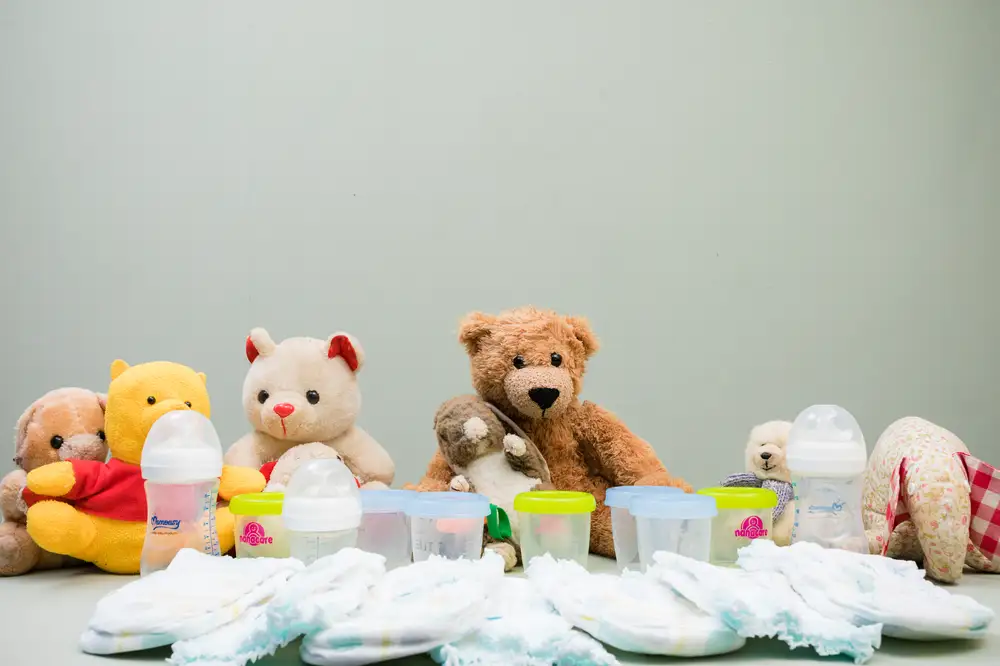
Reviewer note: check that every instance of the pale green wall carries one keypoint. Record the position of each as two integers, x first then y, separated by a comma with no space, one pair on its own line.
759,207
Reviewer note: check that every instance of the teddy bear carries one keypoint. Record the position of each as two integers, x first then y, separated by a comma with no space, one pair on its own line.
63,424
305,390
490,455
106,522
765,466
927,499
529,364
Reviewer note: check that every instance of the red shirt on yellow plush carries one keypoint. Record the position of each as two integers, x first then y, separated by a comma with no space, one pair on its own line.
104,521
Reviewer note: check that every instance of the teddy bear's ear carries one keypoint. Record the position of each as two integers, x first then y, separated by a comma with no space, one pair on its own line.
474,327
203,378
117,368
581,331
21,429
346,347
102,400
259,343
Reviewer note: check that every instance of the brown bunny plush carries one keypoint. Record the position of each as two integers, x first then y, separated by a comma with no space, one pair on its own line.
62,424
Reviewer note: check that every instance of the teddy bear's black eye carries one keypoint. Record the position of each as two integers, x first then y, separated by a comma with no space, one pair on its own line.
187,402
56,442
263,396
556,359
519,362
101,436
151,400
312,397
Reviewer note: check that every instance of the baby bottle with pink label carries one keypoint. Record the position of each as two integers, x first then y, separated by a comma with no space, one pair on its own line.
181,464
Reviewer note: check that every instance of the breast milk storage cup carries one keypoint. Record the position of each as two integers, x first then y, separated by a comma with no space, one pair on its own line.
448,524
385,527
623,523
555,522
321,510
679,524
744,515
260,532
181,463
826,455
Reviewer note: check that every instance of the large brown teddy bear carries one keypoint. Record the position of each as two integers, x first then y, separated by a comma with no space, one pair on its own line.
529,363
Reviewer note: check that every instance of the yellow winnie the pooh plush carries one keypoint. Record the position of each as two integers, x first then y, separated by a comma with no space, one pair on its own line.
96,511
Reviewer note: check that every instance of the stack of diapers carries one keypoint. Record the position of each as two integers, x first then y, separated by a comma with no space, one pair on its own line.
325,593
520,627
413,610
835,601
870,590
195,595
631,612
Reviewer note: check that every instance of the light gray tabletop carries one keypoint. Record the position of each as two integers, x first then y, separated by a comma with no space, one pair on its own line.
45,613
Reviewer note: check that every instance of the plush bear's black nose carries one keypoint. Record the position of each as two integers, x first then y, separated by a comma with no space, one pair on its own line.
765,456
544,397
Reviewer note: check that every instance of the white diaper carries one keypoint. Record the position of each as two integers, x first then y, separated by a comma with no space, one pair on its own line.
413,610
520,627
322,595
631,612
194,595
870,589
762,604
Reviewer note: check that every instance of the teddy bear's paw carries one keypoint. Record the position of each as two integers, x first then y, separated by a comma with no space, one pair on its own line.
460,484
475,429
506,551
514,445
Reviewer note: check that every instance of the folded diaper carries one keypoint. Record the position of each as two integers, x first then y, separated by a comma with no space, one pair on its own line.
324,593
870,589
194,595
763,604
411,611
521,627
631,612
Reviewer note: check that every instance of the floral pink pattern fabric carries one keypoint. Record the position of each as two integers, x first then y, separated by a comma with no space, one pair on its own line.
927,499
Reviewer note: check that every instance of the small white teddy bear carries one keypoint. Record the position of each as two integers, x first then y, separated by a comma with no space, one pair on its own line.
304,391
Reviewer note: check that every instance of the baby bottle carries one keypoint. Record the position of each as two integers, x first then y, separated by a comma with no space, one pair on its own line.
181,464
322,510
826,457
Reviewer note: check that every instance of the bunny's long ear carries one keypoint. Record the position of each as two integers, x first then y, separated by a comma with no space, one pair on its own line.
347,347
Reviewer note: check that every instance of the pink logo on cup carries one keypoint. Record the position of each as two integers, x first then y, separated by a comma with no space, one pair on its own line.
752,528
253,535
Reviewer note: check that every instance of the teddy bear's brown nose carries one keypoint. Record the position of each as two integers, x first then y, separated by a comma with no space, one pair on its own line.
765,456
543,397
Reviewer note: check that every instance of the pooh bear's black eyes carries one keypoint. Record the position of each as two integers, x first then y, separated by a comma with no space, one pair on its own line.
312,397
151,400
187,402
263,396
56,442
519,362
556,359
101,436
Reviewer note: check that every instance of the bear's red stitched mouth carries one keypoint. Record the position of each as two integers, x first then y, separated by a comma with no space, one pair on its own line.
284,430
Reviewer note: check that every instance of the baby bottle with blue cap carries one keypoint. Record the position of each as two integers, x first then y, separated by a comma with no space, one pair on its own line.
181,464
827,456
321,510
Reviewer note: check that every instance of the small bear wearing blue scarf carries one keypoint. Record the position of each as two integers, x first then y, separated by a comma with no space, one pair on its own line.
766,468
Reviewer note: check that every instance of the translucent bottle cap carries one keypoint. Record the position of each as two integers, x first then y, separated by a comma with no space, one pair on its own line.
826,440
673,507
619,497
181,447
321,496
385,501
448,504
